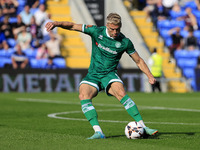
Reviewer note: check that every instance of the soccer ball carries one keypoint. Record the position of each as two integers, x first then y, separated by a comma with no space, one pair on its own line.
134,130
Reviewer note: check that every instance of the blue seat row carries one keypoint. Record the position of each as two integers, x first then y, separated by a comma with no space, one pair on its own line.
187,61
5,61
186,54
189,73
169,24
5,56
41,63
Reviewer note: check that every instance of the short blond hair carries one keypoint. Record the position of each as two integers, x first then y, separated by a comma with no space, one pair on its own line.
114,18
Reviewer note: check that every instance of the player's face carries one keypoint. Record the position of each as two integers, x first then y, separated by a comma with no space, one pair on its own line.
113,30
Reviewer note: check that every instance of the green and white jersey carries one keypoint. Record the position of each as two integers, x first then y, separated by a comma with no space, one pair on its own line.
106,51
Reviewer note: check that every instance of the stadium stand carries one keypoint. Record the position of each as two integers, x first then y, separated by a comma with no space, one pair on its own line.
36,34
73,48
157,36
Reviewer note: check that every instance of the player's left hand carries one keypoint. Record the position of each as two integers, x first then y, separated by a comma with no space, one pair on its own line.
152,80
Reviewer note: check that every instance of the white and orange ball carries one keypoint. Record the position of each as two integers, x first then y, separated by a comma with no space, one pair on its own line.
134,130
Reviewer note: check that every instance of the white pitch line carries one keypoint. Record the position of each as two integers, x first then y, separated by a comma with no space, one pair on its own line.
106,105
55,115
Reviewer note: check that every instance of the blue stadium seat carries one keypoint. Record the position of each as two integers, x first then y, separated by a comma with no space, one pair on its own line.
38,63
43,62
11,42
164,33
198,22
190,4
177,23
190,63
30,53
43,1
34,63
1,18
1,63
22,3
33,10
194,53
169,24
181,54
6,53
164,24
2,53
189,72
168,41
59,62
180,62
197,34
175,15
12,19
184,33
196,13
5,61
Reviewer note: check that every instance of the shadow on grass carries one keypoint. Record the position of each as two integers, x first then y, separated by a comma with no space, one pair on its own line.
115,136
156,136
186,133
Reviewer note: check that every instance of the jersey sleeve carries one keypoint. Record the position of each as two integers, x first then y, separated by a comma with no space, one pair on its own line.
130,48
89,29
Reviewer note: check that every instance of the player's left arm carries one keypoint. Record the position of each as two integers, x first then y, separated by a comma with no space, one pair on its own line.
143,67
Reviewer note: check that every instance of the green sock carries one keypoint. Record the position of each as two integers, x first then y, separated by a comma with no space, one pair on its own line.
131,108
89,111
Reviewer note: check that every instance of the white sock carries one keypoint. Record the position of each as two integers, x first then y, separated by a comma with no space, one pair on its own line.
97,128
142,123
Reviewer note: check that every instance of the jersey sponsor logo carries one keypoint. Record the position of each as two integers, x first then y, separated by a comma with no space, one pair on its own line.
117,44
106,48
100,37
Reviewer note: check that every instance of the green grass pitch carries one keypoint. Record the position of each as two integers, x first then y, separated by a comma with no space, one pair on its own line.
54,121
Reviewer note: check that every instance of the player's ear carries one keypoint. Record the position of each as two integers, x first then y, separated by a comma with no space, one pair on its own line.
107,25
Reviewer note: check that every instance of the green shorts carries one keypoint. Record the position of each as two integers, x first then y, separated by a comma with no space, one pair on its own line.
101,82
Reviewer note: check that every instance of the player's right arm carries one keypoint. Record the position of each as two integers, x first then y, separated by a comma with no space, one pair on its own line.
63,24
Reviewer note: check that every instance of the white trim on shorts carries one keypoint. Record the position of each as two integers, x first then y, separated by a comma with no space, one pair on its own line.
90,83
115,80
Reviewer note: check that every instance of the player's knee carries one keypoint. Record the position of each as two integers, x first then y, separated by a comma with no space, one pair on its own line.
122,93
81,96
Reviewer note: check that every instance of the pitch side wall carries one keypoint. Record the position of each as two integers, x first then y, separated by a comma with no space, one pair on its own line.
59,80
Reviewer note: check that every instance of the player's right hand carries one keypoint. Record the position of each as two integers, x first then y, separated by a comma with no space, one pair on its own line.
49,26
